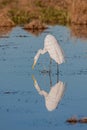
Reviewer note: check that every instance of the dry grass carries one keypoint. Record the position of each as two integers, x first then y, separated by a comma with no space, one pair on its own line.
49,11
79,31
78,11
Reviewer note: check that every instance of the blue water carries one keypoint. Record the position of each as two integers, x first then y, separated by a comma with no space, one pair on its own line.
21,107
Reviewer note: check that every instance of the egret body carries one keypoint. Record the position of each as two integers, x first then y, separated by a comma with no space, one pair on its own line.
53,48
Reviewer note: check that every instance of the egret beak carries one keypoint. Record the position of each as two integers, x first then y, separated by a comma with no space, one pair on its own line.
34,79
33,64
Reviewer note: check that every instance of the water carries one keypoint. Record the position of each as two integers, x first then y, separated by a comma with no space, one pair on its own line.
21,106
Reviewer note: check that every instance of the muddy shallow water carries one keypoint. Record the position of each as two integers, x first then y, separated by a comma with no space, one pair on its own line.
21,106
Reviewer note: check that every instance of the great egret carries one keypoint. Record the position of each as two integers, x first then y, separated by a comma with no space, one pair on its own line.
53,48
54,96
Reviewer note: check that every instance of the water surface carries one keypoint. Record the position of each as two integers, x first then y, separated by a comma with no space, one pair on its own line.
21,106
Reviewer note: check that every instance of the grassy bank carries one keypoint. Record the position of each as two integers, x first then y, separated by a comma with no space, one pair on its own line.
47,11
46,15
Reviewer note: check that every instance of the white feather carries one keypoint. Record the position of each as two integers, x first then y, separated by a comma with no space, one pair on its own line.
53,48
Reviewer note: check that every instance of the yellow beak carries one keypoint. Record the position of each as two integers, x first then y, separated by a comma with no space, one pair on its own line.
34,79
33,64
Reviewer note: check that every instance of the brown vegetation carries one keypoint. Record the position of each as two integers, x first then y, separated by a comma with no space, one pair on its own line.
47,11
5,21
79,31
4,31
74,120
83,120
35,25
78,11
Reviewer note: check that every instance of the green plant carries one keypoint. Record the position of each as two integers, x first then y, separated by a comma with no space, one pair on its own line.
52,15
19,16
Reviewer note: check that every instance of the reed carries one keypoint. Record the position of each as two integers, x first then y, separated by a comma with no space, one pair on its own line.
19,16
48,11
49,15
78,11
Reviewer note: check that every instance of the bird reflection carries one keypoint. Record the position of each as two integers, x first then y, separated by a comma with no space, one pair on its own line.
53,97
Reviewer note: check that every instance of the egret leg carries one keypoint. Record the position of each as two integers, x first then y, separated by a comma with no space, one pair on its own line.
50,72
57,73
50,80
50,65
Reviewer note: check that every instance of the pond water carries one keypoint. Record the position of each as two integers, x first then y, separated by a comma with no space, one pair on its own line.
21,105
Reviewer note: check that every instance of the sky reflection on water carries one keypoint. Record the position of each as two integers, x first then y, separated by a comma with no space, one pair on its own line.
21,107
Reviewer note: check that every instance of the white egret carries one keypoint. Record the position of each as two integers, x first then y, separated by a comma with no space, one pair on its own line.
53,48
54,96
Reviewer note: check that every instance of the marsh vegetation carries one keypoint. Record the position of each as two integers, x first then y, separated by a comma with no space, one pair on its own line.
48,11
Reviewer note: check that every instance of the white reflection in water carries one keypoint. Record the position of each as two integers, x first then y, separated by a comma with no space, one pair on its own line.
53,97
